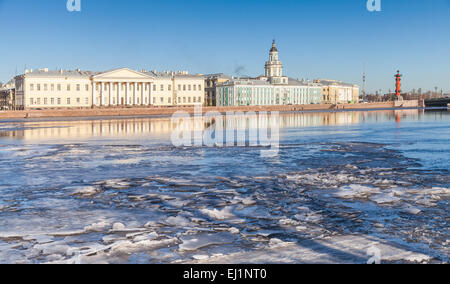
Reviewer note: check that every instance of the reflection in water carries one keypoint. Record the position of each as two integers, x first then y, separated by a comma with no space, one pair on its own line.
163,127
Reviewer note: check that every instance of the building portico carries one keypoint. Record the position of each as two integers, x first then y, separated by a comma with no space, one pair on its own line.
121,87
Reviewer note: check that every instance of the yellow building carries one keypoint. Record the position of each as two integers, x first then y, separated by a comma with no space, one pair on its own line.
337,92
116,88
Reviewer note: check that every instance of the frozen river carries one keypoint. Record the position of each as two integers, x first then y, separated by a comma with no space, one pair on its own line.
345,187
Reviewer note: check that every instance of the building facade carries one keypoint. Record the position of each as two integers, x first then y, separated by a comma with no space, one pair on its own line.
262,93
116,88
271,89
211,82
7,95
177,89
337,92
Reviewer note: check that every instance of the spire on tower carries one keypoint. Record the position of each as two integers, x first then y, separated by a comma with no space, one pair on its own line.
274,48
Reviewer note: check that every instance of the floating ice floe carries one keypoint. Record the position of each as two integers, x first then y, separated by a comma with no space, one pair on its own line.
85,191
225,213
195,242
98,227
384,198
179,221
355,191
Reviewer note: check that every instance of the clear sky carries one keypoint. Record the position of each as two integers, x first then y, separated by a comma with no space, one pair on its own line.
316,38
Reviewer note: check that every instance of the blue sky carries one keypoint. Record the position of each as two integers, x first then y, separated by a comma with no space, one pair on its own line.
316,38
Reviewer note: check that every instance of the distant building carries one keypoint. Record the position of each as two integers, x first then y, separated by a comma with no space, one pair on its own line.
271,89
116,88
177,89
337,92
7,95
211,82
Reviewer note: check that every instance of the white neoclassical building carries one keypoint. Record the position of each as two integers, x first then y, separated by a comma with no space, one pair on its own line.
116,88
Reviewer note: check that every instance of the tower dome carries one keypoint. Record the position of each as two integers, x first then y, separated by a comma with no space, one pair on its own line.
274,48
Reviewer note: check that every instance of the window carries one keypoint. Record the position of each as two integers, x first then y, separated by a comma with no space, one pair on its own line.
87,87
68,87
45,87
199,87
199,99
31,101
189,99
154,88
45,101
162,87
52,87
78,87
52,101
154,100
68,101
195,88
162,100
195,99
38,87
38,101
59,101
31,87
184,99
78,100
184,87
86,101
59,87
170,100
169,87
189,87
179,87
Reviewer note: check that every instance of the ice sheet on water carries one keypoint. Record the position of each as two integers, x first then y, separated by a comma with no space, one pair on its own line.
225,213
84,191
196,242
384,198
355,191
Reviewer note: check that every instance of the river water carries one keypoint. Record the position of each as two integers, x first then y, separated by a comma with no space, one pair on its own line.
344,187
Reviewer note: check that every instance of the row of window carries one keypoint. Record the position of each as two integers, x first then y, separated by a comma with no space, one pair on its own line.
183,100
56,101
180,87
45,87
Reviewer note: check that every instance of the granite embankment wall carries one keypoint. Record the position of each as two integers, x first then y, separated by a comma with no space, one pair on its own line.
167,111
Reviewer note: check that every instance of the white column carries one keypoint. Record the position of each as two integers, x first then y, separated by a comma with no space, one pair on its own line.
102,94
110,93
135,93
142,93
150,102
127,92
119,86
94,94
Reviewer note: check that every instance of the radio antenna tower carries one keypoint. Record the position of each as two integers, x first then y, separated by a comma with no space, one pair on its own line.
364,80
